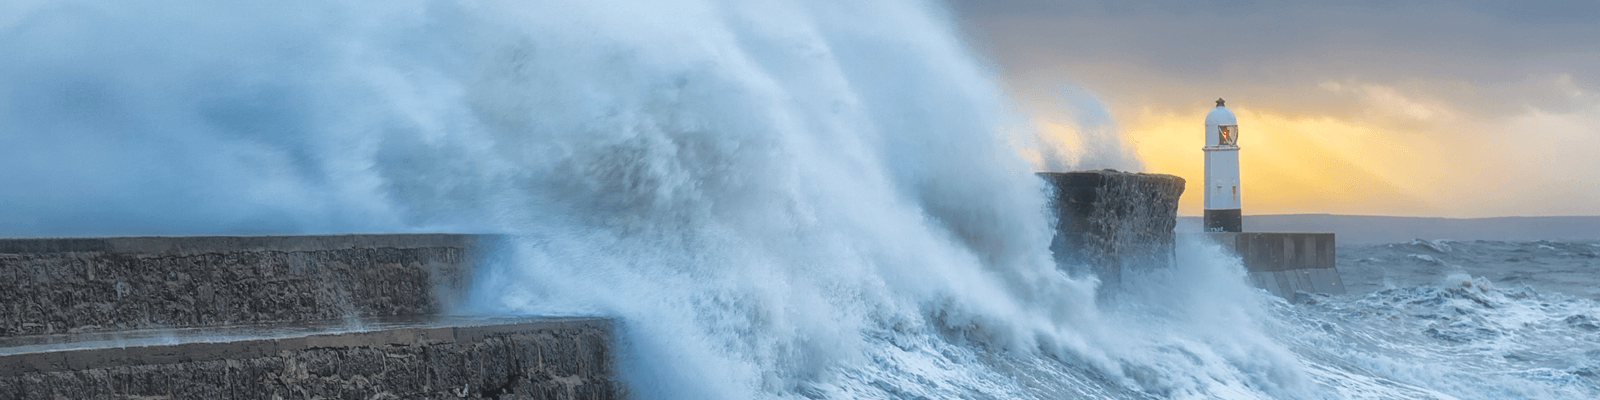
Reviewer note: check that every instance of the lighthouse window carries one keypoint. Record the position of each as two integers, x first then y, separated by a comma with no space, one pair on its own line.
1227,135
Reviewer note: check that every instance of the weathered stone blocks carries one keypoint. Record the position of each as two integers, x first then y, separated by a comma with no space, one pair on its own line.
566,358
59,286
1108,221
271,318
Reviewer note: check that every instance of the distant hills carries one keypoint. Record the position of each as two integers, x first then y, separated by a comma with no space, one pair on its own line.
1367,229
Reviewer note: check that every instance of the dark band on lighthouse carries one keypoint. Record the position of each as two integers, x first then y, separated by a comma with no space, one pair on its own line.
1224,220
1222,191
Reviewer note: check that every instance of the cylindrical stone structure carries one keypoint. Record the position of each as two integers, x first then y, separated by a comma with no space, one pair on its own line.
1108,221
1222,208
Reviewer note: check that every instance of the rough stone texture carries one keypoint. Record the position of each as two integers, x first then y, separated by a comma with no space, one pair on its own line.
253,318
66,286
1108,221
1285,263
539,359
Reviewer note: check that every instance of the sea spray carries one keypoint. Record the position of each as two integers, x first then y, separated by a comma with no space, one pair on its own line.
775,199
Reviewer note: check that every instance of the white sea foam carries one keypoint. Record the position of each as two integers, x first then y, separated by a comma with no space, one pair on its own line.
775,198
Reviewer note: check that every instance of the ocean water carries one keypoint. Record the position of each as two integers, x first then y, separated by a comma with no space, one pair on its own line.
1468,319
776,199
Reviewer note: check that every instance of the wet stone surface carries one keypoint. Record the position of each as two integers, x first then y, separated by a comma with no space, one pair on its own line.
168,283
277,317
568,359
1109,221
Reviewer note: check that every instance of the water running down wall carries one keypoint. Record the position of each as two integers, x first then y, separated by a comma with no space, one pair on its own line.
1108,221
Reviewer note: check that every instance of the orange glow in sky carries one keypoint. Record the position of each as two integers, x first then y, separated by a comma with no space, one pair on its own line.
1441,109
1287,165
1387,155
1344,166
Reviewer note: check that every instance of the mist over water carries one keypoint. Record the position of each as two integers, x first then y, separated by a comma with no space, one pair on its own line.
775,199
1075,130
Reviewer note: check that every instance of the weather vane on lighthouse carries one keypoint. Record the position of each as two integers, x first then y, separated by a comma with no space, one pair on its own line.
1222,210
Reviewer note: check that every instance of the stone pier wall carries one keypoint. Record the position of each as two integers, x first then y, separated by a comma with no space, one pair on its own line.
1286,263
276,317
542,359
1110,221
63,286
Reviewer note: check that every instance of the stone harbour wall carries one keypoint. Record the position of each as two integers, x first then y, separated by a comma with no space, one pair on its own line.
1286,263
278,317
540,359
63,286
1109,221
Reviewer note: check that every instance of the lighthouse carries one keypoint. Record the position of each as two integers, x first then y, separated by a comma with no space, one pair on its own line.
1222,171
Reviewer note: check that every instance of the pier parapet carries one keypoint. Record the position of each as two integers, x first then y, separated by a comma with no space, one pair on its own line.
1286,263
330,316
1108,221
85,285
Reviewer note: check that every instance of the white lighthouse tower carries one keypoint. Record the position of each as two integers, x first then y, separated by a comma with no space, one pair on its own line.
1222,171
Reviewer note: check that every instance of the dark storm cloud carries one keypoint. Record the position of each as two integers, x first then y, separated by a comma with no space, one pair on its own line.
1483,49
1449,98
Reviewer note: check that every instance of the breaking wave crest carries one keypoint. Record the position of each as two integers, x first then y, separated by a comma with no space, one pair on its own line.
777,199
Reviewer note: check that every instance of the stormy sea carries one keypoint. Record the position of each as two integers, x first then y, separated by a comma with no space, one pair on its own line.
1456,319
775,199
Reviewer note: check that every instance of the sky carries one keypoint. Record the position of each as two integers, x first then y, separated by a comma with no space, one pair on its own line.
1442,109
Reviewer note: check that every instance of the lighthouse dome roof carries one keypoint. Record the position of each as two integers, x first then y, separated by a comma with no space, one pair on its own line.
1221,116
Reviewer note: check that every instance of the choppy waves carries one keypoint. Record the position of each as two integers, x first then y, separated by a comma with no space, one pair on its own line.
1459,334
776,199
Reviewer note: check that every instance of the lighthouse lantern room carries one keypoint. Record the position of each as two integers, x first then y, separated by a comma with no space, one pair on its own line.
1222,210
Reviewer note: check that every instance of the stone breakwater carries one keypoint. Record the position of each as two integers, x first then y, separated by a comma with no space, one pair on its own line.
1286,263
336,316
59,286
537,359
1108,221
